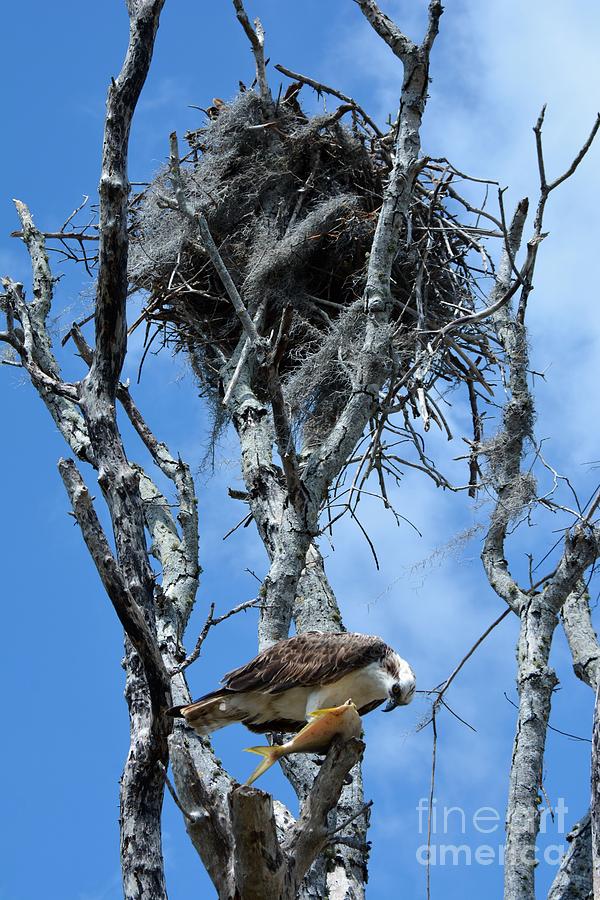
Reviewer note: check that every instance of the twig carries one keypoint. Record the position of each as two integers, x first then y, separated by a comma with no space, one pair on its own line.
361,812
129,613
209,244
77,209
62,235
256,36
439,701
319,87
188,816
537,130
578,158
457,717
210,622
469,654
430,809
243,521
574,737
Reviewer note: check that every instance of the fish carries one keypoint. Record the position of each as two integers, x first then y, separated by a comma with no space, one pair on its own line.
316,737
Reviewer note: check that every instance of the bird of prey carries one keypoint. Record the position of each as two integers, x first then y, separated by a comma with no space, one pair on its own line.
280,688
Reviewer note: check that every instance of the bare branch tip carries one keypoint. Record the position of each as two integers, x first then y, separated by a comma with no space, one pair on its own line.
540,119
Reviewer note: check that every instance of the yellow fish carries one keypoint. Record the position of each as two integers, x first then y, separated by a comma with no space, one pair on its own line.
316,737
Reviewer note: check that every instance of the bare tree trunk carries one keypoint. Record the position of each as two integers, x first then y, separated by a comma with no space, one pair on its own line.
142,787
251,846
538,610
595,804
573,880
535,682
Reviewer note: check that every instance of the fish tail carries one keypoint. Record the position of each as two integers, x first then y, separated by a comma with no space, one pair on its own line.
270,754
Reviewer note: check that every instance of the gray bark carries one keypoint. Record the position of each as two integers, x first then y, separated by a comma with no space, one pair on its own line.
595,801
142,782
285,505
315,608
573,880
535,683
538,612
581,636
251,845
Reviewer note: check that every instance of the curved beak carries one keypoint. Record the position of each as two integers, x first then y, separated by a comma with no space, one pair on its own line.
389,706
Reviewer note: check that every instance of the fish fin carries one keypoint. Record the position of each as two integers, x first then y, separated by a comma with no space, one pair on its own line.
316,713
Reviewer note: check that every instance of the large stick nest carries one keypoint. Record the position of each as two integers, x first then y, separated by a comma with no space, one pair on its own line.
292,203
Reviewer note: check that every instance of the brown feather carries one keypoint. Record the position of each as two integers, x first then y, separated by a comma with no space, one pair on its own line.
198,706
310,658
369,707
280,725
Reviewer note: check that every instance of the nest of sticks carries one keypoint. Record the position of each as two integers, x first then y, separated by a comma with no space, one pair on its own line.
292,201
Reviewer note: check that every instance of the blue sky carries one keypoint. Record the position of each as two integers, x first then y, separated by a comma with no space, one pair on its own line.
493,67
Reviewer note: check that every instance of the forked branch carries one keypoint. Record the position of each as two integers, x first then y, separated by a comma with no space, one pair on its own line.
112,284
129,613
256,36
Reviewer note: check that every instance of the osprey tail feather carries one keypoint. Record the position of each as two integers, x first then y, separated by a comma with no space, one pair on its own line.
209,713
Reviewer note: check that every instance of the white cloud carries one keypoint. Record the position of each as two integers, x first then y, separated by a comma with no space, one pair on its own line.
494,66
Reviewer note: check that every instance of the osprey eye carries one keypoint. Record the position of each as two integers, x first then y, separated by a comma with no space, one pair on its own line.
396,690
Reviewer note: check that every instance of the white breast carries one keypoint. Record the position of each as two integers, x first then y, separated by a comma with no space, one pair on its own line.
363,686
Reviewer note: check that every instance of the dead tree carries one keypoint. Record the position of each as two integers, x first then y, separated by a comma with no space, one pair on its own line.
511,477
325,289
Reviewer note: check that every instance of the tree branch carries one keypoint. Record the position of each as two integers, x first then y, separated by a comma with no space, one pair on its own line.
199,220
595,801
374,362
111,289
396,40
35,350
259,864
125,606
311,833
581,636
515,490
325,89
573,881
203,787
256,36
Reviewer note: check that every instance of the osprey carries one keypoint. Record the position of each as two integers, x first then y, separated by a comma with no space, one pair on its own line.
280,688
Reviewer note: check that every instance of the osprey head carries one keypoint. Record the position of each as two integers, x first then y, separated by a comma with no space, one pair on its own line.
401,682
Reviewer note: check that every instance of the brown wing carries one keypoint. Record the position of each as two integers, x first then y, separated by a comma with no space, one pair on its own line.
369,707
283,726
306,659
